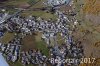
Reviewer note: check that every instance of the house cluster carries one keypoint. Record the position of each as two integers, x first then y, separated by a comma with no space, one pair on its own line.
49,31
11,50
62,52
57,2
33,57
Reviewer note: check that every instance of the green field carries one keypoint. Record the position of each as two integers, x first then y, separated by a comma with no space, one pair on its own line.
34,42
7,37
42,46
19,64
41,14
12,4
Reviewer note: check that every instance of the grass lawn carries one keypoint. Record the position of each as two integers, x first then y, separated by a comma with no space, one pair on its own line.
15,64
34,42
60,39
41,14
18,63
19,3
39,4
42,46
7,37
15,2
28,42
48,16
